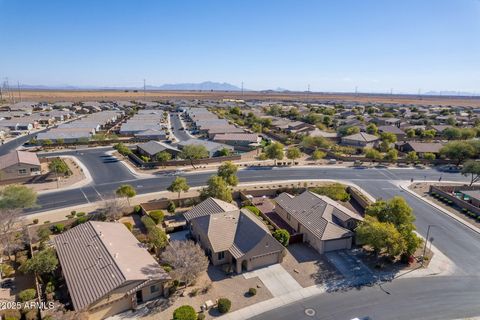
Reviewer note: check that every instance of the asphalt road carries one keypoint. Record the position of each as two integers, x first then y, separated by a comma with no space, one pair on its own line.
14,144
177,125
423,298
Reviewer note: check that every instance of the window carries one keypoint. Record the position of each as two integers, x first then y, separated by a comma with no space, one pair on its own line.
221,255
22,171
154,289
34,169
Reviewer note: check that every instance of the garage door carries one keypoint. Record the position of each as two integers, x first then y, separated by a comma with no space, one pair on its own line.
332,245
264,260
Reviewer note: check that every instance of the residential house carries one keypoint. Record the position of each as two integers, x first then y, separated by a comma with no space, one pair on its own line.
399,133
360,140
420,147
325,224
239,140
213,148
237,238
19,164
152,148
106,269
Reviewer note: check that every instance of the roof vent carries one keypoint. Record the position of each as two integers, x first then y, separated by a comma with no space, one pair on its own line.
116,255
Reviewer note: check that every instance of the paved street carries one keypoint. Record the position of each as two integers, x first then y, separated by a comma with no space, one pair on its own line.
177,125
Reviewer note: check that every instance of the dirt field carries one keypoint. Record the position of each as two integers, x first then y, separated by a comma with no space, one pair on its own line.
47,95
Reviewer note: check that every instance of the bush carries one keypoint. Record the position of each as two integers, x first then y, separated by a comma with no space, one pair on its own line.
35,221
58,228
44,234
50,287
128,225
253,209
185,312
252,291
137,209
224,305
81,214
46,222
27,295
201,316
157,216
81,220
148,222
7,270
171,207
282,236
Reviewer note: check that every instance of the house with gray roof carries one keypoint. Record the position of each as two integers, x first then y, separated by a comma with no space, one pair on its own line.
360,140
207,207
106,269
152,148
325,224
237,238
19,164
212,147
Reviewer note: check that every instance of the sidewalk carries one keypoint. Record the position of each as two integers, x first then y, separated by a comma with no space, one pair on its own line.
405,184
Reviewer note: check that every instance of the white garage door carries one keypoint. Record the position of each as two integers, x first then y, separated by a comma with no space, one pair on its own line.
264,260
332,245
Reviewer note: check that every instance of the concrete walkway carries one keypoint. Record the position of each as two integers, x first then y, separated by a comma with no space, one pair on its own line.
277,280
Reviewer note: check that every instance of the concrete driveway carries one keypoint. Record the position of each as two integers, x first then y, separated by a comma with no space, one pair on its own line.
277,280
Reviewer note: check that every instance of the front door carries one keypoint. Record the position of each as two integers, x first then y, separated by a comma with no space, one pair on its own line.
139,297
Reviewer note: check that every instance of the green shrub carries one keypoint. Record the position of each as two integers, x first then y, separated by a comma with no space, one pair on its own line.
44,233
282,236
7,270
81,220
252,291
171,207
185,312
73,212
167,268
148,222
224,305
137,209
253,209
157,216
35,221
46,222
27,295
335,191
128,225
201,316
81,214
50,287
58,228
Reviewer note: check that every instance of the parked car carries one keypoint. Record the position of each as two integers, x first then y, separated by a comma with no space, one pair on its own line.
332,161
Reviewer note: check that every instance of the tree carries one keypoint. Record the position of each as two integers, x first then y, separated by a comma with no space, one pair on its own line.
224,152
472,168
352,130
315,142
127,191
171,207
228,171
318,154
391,155
185,313
458,151
178,185
157,237
282,236
17,197
411,133
57,165
274,151
293,153
224,305
217,188
452,133
122,149
163,156
372,129
47,142
396,211
373,154
187,260
194,152
43,262
387,139
429,156
112,209
412,156
428,134
380,236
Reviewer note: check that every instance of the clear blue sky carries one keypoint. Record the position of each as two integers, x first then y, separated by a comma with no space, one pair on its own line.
332,45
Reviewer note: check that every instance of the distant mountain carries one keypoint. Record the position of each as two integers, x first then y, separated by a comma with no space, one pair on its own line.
204,86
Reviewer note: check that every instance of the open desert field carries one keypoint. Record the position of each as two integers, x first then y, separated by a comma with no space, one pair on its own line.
60,95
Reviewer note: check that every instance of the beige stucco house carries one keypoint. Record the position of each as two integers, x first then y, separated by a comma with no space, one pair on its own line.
107,270
18,165
325,224
235,237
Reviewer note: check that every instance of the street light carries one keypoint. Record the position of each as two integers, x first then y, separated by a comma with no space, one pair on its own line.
426,241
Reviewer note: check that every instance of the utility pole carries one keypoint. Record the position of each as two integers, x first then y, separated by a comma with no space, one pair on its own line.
242,89
19,92
144,91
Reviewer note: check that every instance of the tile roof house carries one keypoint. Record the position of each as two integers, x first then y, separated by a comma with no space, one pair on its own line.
151,148
19,164
393,129
420,147
325,224
209,206
212,147
244,140
360,139
106,269
237,238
